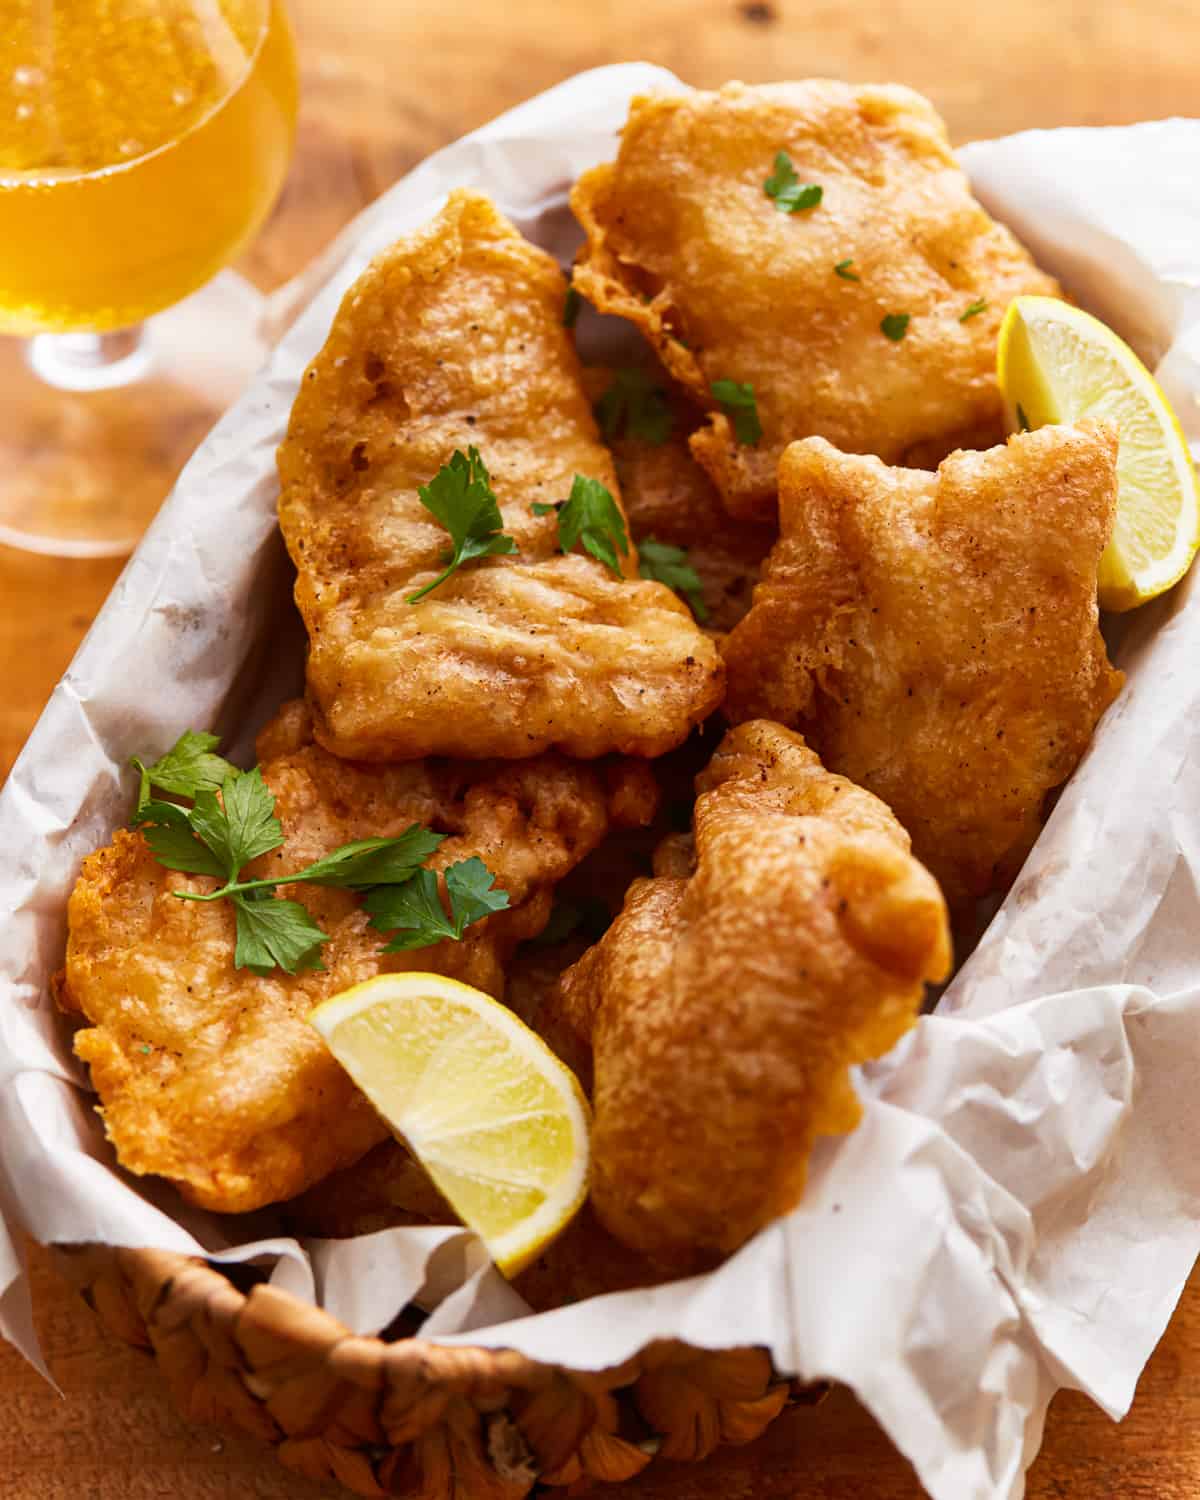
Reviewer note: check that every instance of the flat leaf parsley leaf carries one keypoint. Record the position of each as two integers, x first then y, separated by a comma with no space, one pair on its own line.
741,407
242,825
369,862
895,326
219,836
636,405
790,194
669,565
167,828
187,766
414,913
590,516
273,933
460,496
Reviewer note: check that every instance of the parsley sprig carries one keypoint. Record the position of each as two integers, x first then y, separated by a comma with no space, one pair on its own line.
591,517
741,407
667,564
636,405
189,766
414,912
219,837
790,194
460,496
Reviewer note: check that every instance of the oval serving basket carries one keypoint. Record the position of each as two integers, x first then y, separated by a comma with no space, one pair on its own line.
410,1417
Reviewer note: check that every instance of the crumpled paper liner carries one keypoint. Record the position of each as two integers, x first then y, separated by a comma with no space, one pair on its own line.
1020,1207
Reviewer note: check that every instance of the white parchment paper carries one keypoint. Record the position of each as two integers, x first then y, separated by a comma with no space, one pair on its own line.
1020,1208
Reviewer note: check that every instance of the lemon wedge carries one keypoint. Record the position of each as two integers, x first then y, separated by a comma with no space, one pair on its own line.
496,1120
1057,363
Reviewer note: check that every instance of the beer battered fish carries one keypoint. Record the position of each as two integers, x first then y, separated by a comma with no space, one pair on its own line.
454,338
868,316
211,1076
935,636
725,1006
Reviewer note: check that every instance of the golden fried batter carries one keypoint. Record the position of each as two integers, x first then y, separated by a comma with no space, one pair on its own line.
684,242
455,337
725,1006
935,635
211,1076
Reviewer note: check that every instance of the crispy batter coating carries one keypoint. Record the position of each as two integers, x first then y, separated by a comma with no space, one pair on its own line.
725,1006
684,242
935,636
451,338
669,497
211,1076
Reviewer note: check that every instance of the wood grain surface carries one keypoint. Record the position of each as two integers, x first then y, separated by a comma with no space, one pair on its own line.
385,82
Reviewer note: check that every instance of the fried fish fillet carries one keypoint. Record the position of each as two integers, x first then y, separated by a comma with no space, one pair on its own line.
684,242
669,498
935,636
452,338
211,1076
725,1006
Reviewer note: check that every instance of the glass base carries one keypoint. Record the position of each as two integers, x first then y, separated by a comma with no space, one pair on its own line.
96,427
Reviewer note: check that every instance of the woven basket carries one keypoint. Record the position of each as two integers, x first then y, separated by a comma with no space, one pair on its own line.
412,1418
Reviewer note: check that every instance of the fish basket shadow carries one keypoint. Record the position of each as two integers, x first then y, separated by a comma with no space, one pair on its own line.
406,1417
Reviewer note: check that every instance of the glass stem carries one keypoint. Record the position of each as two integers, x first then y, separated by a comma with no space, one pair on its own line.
90,361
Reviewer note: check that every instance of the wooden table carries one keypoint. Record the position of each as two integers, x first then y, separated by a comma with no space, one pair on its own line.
385,82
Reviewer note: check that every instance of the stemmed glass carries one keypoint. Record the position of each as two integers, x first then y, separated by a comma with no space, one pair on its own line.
142,144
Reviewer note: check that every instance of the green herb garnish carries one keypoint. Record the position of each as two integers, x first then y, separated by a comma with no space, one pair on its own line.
218,837
460,496
976,307
635,405
895,325
741,407
667,564
414,911
185,769
843,270
790,194
591,516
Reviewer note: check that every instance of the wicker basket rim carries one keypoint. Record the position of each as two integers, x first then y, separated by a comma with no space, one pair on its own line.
435,1421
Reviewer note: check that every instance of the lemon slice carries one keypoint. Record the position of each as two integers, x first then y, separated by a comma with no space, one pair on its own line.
1057,364
492,1115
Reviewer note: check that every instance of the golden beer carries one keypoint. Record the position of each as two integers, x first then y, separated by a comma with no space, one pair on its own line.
142,143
